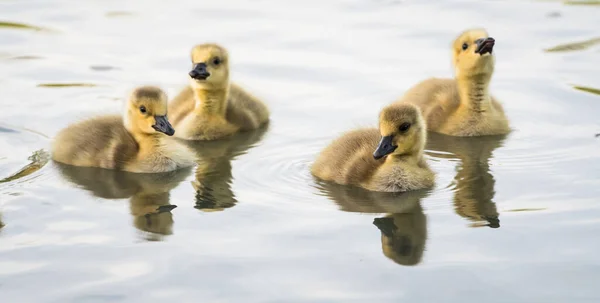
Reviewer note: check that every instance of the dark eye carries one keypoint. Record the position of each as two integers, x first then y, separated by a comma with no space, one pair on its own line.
216,61
404,127
142,109
465,46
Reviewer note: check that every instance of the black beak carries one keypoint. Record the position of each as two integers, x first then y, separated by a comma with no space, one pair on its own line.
485,45
199,72
162,125
385,148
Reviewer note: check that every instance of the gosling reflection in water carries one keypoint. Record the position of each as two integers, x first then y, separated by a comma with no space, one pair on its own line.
474,183
148,193
403,229
214,171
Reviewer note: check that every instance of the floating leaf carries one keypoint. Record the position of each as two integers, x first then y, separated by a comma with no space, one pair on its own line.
576,46
587,89
66,85
582,2
118,14
15,25
525,209
38,160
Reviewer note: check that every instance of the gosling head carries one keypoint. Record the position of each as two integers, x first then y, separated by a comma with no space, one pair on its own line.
402,131
147,111
210,66
472,54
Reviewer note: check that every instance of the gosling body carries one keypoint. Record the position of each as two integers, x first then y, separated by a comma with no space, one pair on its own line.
463,106
388,159
137,142
211,107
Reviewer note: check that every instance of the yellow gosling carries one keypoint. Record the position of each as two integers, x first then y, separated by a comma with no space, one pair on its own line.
463,106
388,160
137,142
211,107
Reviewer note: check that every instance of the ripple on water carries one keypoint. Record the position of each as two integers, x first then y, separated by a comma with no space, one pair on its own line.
284,169
25,142
473,184
539,159
533,155
213,177
289,164
471,190
38,159
148,194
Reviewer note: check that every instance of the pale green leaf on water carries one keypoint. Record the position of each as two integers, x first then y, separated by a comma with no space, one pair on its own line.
16,25
582,2
66,85
575,46
525,209
38,159
587,89
575,2
118,14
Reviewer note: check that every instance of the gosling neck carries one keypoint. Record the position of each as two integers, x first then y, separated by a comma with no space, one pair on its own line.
409,158
210,100
412,155
474,92
147,143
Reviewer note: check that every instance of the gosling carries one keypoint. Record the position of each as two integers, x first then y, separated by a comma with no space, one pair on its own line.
211,107
397,163
137,142
463,106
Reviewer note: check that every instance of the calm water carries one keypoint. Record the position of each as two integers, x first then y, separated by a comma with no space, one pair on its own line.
512,219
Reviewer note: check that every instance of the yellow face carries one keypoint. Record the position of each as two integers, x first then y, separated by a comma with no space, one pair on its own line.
210,65
402,131
147,111
472,54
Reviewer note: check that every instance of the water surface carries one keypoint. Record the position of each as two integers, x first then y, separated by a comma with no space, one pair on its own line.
511,219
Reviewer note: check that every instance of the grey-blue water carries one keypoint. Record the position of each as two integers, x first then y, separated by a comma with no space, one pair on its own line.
512,219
